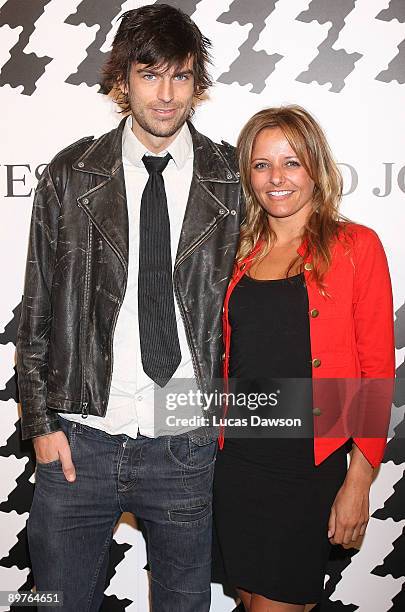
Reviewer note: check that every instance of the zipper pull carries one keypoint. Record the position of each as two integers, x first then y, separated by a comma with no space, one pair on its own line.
85,412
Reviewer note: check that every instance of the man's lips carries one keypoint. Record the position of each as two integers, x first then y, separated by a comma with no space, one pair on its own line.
164,112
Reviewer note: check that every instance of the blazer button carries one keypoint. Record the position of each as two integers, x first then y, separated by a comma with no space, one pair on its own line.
81,164
308,266
86,201
314,312
317,411
316,363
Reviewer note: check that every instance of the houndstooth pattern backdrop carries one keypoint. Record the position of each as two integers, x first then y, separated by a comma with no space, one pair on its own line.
342,59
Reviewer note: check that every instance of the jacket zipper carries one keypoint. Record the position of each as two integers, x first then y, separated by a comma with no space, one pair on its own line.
85,411
86,297
116,312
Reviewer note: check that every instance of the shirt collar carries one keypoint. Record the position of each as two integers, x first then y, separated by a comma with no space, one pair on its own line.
181,149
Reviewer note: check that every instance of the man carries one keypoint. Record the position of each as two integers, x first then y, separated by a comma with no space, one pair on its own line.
132,242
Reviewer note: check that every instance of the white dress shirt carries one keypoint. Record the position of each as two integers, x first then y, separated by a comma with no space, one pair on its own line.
131,407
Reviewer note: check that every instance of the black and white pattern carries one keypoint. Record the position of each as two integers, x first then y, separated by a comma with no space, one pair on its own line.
330,64
345,61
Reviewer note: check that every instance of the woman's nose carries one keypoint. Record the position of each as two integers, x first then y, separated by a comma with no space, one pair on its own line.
276,176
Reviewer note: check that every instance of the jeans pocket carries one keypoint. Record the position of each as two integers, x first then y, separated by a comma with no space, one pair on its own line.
190,516
191,453
195,460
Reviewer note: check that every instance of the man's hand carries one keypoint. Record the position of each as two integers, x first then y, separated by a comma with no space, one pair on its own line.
53,446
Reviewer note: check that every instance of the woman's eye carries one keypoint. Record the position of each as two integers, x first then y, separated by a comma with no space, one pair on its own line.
260,165
293,163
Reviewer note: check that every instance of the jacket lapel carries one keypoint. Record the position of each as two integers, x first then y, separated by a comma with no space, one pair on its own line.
205,207
105,201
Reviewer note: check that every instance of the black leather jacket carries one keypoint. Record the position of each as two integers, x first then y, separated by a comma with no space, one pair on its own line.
77,269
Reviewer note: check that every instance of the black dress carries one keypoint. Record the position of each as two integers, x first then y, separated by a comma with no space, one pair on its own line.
271,503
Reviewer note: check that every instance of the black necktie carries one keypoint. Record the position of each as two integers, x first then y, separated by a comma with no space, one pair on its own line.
159,340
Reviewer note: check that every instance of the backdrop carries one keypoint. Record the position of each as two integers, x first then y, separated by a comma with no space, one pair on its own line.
344,60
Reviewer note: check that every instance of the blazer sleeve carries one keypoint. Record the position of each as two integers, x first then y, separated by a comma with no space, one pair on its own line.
374,333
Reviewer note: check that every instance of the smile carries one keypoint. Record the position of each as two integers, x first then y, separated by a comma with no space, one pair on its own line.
279,194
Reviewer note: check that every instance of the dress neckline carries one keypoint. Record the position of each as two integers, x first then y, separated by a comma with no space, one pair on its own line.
274,280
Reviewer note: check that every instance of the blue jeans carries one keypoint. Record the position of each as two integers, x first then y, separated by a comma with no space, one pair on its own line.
167,482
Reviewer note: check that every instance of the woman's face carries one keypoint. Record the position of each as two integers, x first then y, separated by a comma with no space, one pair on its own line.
281,184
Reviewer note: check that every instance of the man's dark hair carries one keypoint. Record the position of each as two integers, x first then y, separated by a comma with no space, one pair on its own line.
156,35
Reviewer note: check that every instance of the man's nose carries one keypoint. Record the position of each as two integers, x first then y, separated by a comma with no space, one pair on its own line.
165,91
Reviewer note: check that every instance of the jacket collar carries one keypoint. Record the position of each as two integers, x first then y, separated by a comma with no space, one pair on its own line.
104,157
212,164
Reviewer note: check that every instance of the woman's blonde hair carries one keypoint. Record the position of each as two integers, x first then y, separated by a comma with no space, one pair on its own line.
307,139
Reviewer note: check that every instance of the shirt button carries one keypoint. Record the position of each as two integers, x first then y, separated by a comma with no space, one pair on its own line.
81,164
139,398
314,312
308,266
316,363
317,411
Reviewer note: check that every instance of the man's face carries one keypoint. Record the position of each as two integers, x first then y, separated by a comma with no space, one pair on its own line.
160,98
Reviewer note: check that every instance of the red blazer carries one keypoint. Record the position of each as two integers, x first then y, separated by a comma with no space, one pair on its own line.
352,338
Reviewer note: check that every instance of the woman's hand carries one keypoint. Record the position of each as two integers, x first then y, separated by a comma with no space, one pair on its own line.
349,514
350,510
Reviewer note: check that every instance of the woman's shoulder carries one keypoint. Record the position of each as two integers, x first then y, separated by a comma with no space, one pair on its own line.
359,241
357,233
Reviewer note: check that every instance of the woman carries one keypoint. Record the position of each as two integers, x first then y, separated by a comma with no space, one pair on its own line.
310,298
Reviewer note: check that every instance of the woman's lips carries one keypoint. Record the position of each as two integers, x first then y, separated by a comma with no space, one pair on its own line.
279,194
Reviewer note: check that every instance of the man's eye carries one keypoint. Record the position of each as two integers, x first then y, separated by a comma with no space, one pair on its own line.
149,77
181,77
